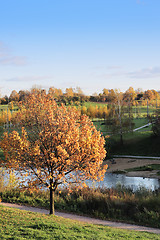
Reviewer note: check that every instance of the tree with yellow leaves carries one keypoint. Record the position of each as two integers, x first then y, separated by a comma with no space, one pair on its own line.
56,145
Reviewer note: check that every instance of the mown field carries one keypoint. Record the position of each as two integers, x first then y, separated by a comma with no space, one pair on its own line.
103,127
18,224
141,143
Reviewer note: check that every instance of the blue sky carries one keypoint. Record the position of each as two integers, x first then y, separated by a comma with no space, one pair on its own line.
93,44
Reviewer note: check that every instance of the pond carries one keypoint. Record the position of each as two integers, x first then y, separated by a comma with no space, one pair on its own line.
112,180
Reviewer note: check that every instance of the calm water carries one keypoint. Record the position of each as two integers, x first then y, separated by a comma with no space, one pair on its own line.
111,180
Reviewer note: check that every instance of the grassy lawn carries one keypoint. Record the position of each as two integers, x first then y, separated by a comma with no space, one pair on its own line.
143,109
18,224
4,107
87,104
142,143
149,167
100,125
138,122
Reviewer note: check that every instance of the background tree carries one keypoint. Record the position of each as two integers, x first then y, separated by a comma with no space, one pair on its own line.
112,96
105,112
14,96
139,93
105,92
120,116
148,95
56,145
94,97
91,111
79,91
23,94
155,120
79,96
156,94
83,110
55,93
129,95
69,92
4,100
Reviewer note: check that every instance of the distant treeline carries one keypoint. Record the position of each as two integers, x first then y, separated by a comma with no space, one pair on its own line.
77,97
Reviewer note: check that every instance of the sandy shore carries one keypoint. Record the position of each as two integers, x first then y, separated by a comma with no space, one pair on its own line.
121,164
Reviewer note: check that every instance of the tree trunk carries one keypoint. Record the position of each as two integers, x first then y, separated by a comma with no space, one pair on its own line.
51,201
121,138
120,121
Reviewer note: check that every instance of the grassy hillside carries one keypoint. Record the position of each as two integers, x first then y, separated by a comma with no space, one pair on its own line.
121,204
142,143
18,224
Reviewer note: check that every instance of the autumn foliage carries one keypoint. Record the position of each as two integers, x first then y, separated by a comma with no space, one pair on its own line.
53,145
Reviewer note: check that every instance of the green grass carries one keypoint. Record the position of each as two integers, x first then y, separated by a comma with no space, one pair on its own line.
142,143
149,167
4,107
138,122
87,104
100,125
143,109
18,224
121,204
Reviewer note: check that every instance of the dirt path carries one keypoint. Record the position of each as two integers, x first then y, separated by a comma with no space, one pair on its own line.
120,164
85,219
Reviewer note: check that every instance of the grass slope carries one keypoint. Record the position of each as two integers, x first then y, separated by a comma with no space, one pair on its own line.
149,167
142,142
18,224
137,143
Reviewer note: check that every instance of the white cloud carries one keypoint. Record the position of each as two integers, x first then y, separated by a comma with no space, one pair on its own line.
107,75
7,58
108,72
28,78
151,72
111,67
114,67
114,72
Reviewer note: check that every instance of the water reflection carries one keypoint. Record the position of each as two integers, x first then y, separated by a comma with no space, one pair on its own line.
111,180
